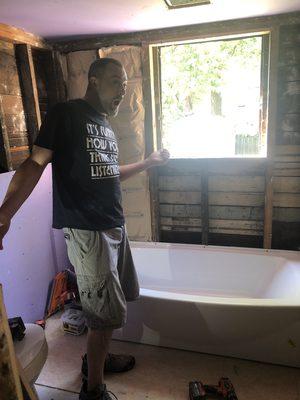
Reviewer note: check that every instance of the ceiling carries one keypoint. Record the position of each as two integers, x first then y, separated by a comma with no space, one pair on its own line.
66,18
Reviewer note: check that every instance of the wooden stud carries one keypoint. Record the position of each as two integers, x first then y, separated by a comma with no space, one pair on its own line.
9,375
204,208
273,93
29,90
5,156
268,211
154,61
265,56
272,125
61,94
156,96
149,142
29,393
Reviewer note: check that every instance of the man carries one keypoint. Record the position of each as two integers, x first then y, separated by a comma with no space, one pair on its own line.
79,141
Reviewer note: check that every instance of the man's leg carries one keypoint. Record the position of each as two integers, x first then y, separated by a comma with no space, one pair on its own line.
97,348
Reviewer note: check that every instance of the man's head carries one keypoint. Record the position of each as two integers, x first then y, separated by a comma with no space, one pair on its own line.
108,80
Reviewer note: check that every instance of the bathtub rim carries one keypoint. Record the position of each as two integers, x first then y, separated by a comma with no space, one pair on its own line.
216,300
221,301
291,255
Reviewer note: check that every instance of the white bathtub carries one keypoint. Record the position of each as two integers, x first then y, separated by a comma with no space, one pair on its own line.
228,301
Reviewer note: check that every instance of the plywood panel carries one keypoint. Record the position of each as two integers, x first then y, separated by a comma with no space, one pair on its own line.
287,159
287,169
180,183
236,232
217,166
286,200
171,210
289,55
236,224
171,197
16,123
242,213
236,199
180,228
288,137
16,141
289,101
286,184
7,47
173,221
291,122
287,172
283,150
287,165
29,90
290,73
290,35
18,156
236,184
9,80
286,214
12,104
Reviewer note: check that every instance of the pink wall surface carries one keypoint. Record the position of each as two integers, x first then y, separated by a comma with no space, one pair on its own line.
33,252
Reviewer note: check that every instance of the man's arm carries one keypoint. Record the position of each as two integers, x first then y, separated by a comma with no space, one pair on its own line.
157,158
22,184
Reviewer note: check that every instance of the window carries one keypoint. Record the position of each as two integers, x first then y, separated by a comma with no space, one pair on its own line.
213,97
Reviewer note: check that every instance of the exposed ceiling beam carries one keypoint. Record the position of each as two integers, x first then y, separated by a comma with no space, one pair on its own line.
177,33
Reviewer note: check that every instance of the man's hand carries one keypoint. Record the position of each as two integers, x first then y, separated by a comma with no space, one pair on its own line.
157,158
4,227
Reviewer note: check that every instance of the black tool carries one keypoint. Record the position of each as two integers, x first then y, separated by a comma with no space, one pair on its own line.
196,391
17,328
224,390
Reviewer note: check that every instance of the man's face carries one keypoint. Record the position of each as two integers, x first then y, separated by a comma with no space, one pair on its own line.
111,88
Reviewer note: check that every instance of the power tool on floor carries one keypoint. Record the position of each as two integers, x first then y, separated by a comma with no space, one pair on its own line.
224,390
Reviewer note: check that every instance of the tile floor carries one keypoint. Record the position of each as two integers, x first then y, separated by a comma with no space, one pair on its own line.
160,373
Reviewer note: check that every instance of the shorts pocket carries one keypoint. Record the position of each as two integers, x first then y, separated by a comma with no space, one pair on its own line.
83,242
100,302
114,236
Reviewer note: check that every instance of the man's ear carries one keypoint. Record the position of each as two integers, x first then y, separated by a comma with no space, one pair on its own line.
93,81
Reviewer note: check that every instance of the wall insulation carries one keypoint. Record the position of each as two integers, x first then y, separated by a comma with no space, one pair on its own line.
128,127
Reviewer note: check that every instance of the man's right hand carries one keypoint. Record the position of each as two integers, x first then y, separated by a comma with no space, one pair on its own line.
4,227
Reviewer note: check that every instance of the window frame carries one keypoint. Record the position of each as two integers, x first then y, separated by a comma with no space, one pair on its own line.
266,72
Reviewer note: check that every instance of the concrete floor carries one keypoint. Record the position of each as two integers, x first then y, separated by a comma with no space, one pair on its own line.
160,373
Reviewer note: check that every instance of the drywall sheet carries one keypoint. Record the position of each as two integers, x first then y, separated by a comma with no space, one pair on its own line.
33,252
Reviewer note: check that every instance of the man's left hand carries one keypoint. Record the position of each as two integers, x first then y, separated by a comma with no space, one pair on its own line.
157,158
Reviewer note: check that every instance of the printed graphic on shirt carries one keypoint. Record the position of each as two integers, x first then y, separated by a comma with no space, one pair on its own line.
103,152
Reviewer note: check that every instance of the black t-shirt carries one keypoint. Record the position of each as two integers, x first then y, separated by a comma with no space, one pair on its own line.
85,170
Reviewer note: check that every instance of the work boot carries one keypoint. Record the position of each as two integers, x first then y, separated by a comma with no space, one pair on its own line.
99,393
113,363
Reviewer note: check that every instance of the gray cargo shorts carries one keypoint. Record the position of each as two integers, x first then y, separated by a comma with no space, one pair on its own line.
106,275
